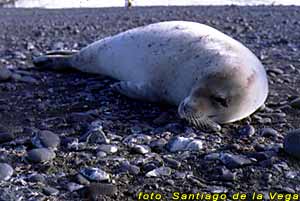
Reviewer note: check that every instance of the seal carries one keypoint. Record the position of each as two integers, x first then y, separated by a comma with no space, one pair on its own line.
213,78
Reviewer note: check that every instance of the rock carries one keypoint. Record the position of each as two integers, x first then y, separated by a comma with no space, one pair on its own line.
184,144
49,191
269,132
246,131
6,137
37,178
140,149
234,161
6,171
137,139
107,148
74,186
158,145
45,139
159,172
95,134
81,180
172,163
40,155
95,174
127,167
292,143
5,74
296,103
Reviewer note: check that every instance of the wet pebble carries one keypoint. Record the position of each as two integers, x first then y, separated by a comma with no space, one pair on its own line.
6,137
107,148
140,149
45,139
50,191
269,132
95,174
159,172
184,144
292,143
296,103
6,171
234,161
246,131
95,134
37,178
40,155
127,167
72,186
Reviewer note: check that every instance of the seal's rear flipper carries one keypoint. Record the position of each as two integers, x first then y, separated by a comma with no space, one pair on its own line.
56,60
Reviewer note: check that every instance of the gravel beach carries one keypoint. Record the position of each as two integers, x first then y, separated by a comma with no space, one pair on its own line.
68,136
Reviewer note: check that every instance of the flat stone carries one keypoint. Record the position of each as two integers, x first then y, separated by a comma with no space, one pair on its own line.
234,161
6,137
45,139
159,172
184,144
95,174
107,148
50,191
40,155
6,171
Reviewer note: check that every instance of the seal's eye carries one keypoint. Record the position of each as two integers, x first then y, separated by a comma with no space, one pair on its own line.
219,100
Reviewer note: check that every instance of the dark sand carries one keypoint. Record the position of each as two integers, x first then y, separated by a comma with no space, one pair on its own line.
272,33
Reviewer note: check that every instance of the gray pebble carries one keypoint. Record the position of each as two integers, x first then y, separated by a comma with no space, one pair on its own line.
184,144
82,180
49,191
95,134
140,149
6,171
96,190
292,143
246,131
45,139
95,174
234,161
101,154
127,167
269,132
6,137
296,103
107,148
40,155
5,74
72,186
37,178
159,172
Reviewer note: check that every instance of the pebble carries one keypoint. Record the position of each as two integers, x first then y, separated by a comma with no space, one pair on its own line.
40,155
158,145
140,149
6,171
45,139
81,180
234,161
107,148
184,144
296,103
5,74
246,131
127,167
269,132
72,186
159,172
49,191
95,134
137,139
95,174
6,137
172,163
37,178
292,143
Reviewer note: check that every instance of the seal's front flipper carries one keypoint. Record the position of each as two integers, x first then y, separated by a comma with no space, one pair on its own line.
133,90
61,60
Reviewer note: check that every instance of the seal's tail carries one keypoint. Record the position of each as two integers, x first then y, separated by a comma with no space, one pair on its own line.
55,60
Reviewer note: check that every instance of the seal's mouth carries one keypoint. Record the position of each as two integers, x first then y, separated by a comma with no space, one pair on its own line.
197,118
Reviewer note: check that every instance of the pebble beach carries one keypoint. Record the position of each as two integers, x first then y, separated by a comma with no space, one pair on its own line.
69,136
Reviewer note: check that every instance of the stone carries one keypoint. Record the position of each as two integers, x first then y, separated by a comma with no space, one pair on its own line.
292,143
6,171
95,174
40,155
46,139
